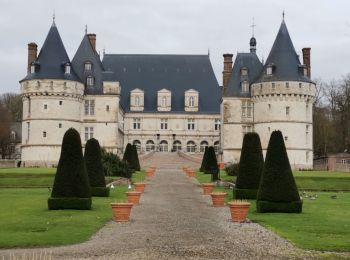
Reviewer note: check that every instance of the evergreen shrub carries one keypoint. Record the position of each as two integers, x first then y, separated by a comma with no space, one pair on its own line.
251,165
204,159
135,159
211,163
113,166
94,168
232,169
71,188
277,190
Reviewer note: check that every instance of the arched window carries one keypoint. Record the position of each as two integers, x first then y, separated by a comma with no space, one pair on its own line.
90,81
177,146
203,145
216,146
163,146
88,66
191,147
149,146
137,101
138,145
191,103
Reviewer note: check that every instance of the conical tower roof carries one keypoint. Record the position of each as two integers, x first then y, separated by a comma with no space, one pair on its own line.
284,60
52,59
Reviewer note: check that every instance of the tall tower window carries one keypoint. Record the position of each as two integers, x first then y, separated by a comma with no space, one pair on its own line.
217,124
287,111
28,132
90,81
89,107
87,66
67,68
245,86
44,134
246,108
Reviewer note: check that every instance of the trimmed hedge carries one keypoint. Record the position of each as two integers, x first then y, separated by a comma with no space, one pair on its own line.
113,166
135,157
71,188
277,190
211,163
250,167
204,159
94,169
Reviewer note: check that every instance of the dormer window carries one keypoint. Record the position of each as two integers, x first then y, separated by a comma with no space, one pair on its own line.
191,102
305,71
137,101
87,66
67,68
269,70
245,86
244,72
90,81
163,101
32,68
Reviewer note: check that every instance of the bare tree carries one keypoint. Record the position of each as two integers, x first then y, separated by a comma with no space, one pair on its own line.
12,102
5,132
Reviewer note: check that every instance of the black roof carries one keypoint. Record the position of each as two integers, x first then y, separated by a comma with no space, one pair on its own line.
177,73
52,59
243,60
284,59
86,53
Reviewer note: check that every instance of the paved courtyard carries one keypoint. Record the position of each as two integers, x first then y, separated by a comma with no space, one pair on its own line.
175,221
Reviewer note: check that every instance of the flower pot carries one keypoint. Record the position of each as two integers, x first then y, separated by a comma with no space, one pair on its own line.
221,165
121,211
218,198
149,172
239,210
190,172
139,186
133,197
207,188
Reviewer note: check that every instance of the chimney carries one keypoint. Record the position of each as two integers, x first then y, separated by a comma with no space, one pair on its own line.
307,59
226,74
32,54
92,39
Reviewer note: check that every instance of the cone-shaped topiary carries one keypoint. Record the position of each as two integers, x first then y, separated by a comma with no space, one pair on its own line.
71,188
128,154
94,169
211,164
135,158
250,167
277,190
204,159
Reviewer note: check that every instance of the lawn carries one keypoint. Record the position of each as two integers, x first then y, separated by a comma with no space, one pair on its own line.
322,180
202,178
26,221
27,177
323,225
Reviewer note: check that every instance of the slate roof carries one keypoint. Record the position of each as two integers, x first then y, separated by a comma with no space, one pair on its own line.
52,58
249,61
285,61
86,53
176,73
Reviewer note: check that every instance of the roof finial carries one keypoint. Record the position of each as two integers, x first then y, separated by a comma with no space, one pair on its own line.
85,28
283,15
53,16
253,25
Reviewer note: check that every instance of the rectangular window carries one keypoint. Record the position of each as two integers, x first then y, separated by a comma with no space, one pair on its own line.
137,123
217,124
287,84
273,85
28,131
246,108
89,133
190,124
164,124
59,125
45,106
60,102
107,108
44,134
89,107
287,111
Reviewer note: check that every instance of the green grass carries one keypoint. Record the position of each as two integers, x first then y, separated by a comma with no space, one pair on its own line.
322,180
26,221
324,224
203,178
26,177
139,176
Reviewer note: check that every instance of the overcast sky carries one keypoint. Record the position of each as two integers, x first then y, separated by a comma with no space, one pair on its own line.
177,27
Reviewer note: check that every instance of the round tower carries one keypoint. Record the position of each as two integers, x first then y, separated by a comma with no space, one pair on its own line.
283,96
52,97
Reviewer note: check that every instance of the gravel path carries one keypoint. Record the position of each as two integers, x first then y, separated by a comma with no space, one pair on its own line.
175,221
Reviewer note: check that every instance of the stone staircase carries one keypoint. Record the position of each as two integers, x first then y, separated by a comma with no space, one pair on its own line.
167,161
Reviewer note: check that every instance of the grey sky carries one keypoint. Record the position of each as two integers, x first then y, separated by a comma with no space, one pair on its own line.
177,27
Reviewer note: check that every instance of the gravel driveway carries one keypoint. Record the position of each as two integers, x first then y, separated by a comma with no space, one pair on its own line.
175,221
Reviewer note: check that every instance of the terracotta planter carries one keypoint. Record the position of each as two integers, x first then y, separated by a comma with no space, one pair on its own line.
149,172
190,173
221,165
140,186
218,198
121,211
133,197
207,188
239,210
